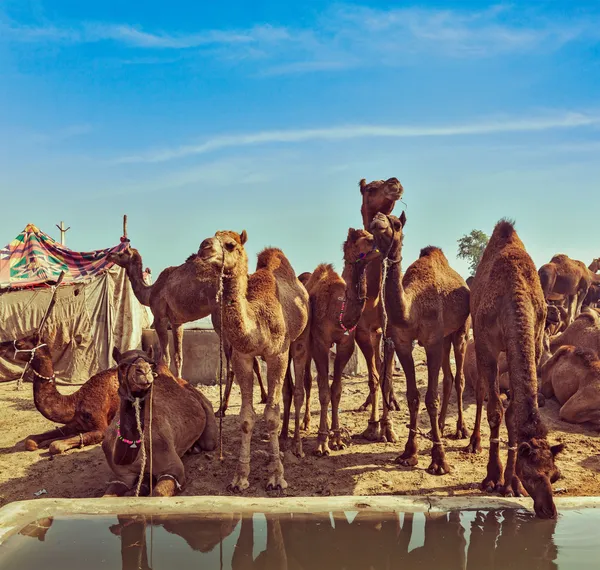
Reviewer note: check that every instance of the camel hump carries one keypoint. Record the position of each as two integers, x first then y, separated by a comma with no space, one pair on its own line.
322,272
504,229
587,356
275,261
432,250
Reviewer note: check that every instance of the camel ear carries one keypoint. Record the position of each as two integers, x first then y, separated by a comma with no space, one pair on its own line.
556,449
116,355
403,218
525,450
243,237
362,184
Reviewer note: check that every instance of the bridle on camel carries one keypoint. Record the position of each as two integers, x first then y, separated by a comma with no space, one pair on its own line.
28,363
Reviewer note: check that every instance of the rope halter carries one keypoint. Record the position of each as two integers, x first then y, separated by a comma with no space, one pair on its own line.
28,363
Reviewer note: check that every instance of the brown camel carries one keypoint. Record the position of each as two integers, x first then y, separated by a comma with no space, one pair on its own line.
470,369
336,306
377,196
583,332
430,304
85,414
592,299
509,314
180,295
572,376
182,419
264,314
566,277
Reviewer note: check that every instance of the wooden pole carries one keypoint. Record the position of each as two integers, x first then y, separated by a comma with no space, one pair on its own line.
125,226
63,231
52,302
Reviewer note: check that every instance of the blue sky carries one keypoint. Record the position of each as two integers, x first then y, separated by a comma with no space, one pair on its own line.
194,116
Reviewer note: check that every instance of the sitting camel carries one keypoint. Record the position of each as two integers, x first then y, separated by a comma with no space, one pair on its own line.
583,332
336,306
180,295
509,314
182,419
566,277
85,414
430,304
592,299
572,376
264,314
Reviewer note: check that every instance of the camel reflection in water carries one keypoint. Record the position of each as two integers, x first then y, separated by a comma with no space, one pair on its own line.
377,541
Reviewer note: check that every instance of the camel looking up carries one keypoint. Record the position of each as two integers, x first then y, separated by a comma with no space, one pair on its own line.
180,295
566,277
430,304
85,414
264,314
377,196
509,314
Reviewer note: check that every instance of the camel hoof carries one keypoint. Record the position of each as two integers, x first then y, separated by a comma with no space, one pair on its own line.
441,468
491,486
305,425
297,449
474,446
407,461
264,399
336,443
461,433
388,435
394,405
31,445
56,448
373,432
322,450
238,484
220,413
276,483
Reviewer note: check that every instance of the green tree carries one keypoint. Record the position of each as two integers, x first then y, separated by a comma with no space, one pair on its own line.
471,248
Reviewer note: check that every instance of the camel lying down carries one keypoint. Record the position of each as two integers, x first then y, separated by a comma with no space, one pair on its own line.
182,420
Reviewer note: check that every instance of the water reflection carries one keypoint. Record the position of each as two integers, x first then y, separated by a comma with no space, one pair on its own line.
335,541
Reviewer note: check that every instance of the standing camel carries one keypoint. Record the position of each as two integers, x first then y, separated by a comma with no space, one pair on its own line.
566,277
377,196
509,314
430,304
336,306
180,295
264,314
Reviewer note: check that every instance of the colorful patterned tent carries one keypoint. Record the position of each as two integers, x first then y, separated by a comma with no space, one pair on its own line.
34,258
95,309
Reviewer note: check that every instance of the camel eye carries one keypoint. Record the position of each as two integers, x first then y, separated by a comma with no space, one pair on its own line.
230,246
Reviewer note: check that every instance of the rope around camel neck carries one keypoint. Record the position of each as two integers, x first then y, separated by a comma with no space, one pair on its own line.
221,349
136,406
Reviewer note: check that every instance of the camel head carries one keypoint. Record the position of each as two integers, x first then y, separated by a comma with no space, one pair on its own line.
595,265
136,370
388,233
21,350
124,257
225,250
537,471
379,196
584,405
359,248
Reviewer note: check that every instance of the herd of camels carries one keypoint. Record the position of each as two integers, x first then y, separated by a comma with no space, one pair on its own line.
535,335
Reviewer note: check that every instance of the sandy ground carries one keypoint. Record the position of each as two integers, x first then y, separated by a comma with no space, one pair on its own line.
362,469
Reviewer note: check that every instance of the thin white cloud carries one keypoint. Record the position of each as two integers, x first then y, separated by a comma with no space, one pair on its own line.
563,121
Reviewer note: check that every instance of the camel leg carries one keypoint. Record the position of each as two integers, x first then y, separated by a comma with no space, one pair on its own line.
579,303
459,342
263,393
487,366
34,442
475,442
178,347
172,478
242,558
344,352
512,485
81,440
320,355
300,355
307,390
116,489
364,341
288,390
210,436
276,366
242,368
434,353
572,307
369,345
447,382
387,383
162,332
404,351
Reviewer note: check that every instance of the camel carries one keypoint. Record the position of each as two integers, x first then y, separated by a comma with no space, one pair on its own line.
377,196
336,306
583,332
592,299
182,420
430,304
509,314
264,314
566,277
470,369
85,414
572,376
180,295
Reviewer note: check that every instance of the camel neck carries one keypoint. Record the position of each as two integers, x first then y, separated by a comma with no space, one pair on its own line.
238,321
396,302
355,294
53,405
124,453
136,276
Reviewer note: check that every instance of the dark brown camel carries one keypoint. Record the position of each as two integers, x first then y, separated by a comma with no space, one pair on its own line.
182,420
85,414
509,314
180,295
430,304
377,196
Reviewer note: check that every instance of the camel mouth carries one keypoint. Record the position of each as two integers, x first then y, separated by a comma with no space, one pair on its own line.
379,223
